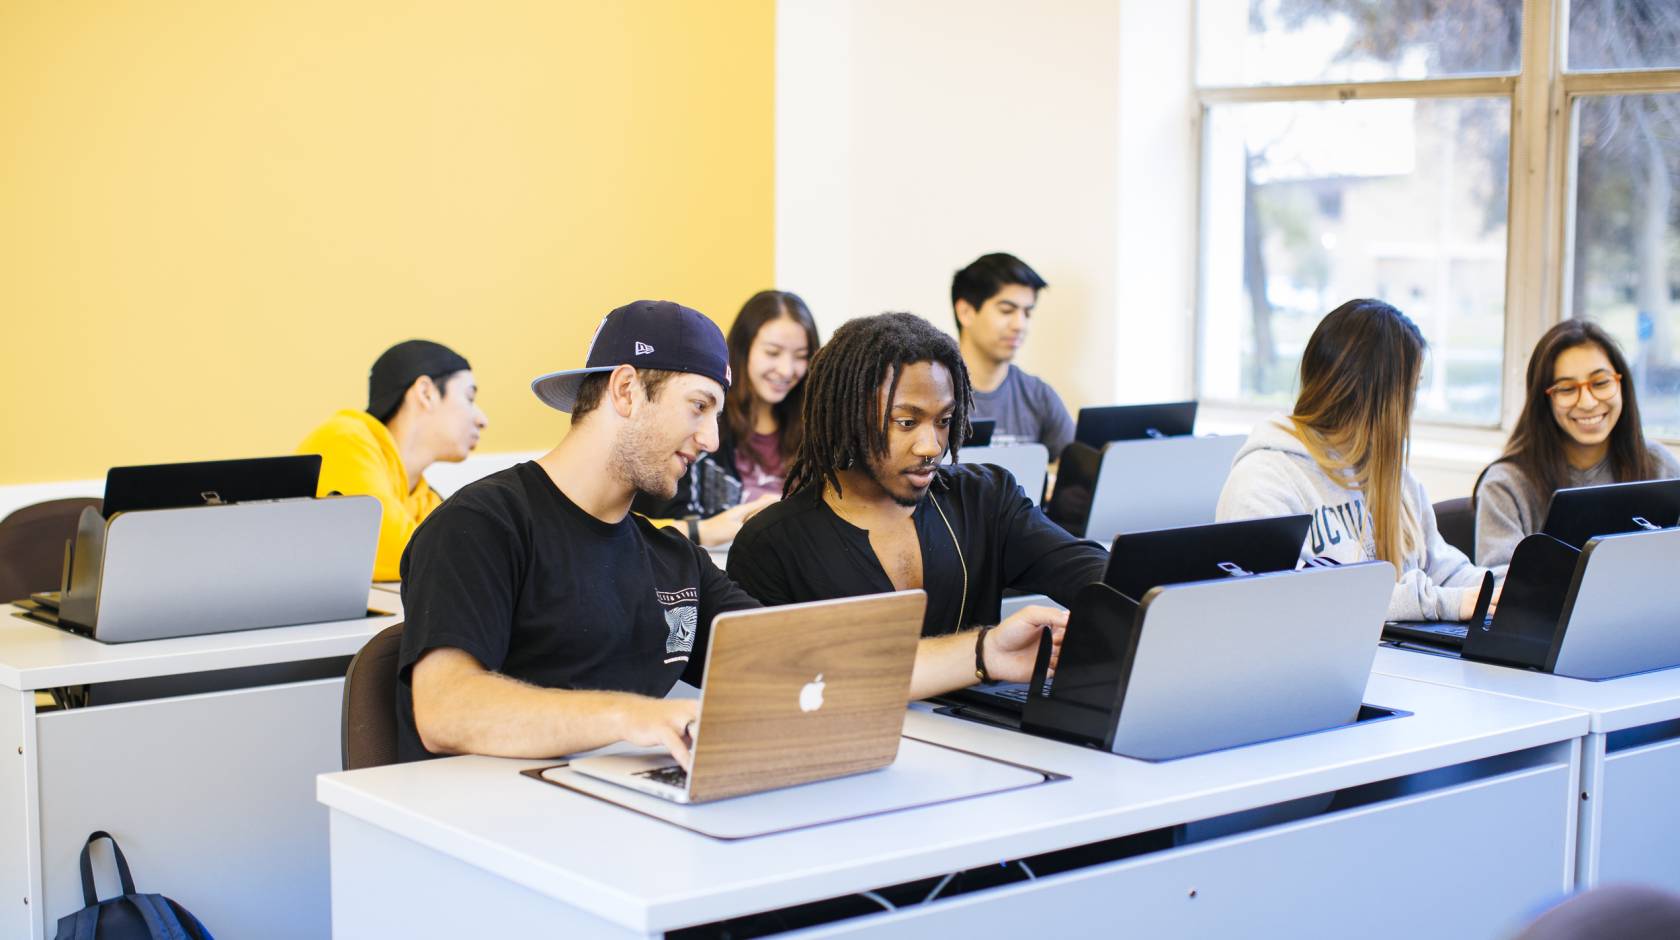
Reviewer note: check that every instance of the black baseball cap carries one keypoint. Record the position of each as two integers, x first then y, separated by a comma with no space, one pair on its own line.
647,334
397,368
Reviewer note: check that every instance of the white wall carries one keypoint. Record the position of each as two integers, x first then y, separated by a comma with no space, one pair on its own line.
915,135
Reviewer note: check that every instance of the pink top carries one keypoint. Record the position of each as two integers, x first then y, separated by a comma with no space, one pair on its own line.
765,476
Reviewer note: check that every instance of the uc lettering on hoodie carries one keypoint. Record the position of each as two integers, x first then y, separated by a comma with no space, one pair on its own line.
1333,525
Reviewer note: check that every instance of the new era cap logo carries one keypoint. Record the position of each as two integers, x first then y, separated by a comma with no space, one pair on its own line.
643,349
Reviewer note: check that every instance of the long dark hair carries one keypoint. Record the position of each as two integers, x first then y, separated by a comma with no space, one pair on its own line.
1359,376
1537,442
764,307
845,423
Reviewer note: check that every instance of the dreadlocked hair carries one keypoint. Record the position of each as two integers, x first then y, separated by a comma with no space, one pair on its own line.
844,416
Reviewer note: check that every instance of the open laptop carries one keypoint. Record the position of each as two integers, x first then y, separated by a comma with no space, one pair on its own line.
210,482
1140,561
1097,426
1579,513
1446,633
793,694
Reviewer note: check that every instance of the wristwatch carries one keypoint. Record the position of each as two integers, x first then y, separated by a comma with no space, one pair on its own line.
693,528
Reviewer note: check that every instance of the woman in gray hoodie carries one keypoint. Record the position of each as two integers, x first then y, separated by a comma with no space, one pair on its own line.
1579,427
1341,457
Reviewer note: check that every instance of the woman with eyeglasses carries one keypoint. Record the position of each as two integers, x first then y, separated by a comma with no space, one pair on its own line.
1340,456
1579,427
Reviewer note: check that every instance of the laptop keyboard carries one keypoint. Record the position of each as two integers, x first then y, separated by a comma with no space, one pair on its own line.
1014,691
673,776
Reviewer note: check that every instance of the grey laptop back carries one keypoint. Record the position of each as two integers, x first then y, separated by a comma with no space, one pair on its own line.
1624,616
215,569
1145,485
1231,662
1029,463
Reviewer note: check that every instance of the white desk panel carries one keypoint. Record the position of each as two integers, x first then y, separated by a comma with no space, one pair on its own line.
1629,821
643,876
209,794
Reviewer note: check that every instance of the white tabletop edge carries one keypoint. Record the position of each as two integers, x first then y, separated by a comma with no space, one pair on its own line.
36,656
1611,704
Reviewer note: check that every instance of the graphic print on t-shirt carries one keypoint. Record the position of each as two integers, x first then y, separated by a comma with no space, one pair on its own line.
682,616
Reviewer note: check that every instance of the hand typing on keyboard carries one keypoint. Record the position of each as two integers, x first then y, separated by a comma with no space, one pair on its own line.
673,775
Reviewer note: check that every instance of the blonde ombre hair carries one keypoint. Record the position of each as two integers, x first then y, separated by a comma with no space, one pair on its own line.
1359,377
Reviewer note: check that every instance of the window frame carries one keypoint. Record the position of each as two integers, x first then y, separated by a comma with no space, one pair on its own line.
1540,189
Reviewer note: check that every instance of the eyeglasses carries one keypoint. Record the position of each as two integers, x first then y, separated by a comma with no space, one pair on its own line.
1604,386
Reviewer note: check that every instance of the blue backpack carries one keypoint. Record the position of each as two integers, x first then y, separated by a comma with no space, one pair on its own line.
130,917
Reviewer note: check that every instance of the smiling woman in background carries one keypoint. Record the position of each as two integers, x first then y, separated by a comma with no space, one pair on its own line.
1579,427
770,346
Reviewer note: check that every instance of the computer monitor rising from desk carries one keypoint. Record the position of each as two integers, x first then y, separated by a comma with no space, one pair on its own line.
980,431
1577,514
1098,426
1143,560
210,482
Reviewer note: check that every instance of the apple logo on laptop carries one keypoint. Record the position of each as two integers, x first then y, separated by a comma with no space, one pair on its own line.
810,697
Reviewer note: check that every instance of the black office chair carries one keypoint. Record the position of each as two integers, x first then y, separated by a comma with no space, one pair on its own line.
369,738
1456,518
32,545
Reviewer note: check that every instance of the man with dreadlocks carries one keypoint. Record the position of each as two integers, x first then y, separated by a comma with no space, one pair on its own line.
544,618
868,506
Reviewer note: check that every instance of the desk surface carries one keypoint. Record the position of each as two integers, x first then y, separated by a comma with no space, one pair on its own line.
649,876
1613,704
35,656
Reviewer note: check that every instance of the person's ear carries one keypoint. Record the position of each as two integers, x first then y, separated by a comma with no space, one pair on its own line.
623,390
423,393
965,313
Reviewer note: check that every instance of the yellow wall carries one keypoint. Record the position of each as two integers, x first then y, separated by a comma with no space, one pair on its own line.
214,215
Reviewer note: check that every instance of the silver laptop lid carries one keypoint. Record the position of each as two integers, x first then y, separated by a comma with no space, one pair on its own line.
1159,484
1223,663
1028,463
804,692
1625,617
217,569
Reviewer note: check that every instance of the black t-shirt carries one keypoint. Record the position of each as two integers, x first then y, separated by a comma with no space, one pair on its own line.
799,550
512,572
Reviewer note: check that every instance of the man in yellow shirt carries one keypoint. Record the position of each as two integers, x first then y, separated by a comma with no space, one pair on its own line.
421,409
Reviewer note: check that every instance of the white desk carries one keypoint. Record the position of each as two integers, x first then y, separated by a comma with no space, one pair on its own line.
208,793
1470,783
1630,813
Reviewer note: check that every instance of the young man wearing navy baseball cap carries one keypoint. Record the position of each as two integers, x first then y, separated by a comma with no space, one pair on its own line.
544,618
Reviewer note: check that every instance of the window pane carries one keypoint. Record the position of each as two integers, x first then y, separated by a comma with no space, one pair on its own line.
1624,34
1310,204
1626,260
1270,42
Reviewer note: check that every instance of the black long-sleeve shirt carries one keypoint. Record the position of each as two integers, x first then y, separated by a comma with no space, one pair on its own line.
799,550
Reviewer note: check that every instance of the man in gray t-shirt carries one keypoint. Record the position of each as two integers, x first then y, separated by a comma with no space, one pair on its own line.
993,299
